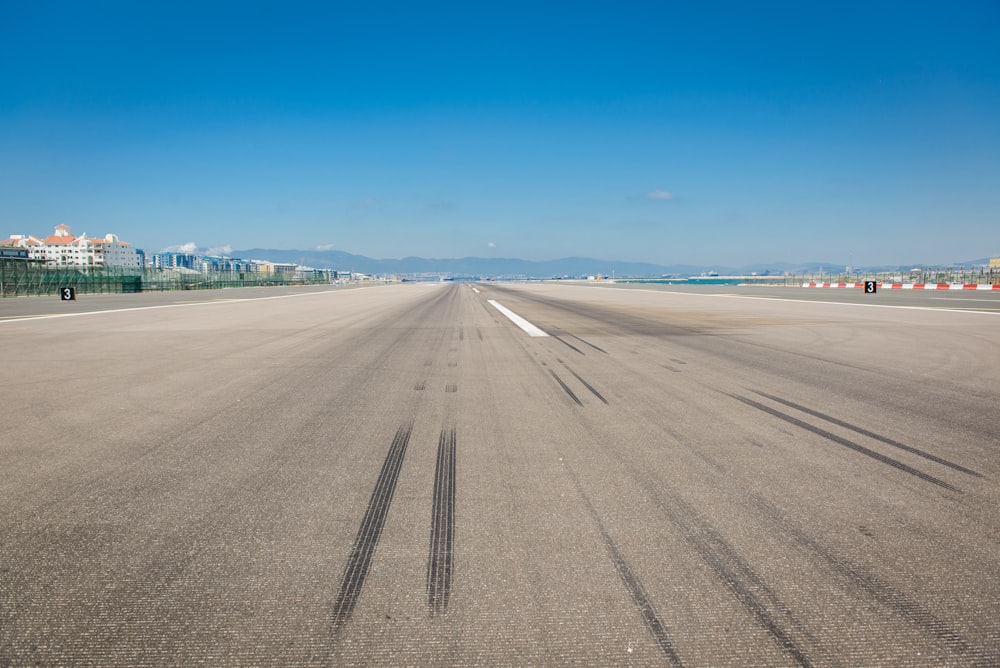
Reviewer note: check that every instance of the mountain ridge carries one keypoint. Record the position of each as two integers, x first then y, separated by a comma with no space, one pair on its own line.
567,266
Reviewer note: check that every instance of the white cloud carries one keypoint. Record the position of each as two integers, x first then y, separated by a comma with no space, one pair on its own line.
658,195
491,245
189,247
225,249
324,247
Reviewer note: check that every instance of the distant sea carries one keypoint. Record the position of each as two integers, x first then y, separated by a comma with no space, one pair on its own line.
687,281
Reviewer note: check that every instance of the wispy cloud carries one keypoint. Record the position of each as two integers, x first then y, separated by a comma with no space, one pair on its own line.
491,245
324,247
658,195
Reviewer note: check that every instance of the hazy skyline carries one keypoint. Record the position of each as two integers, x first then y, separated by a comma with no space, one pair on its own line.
699,133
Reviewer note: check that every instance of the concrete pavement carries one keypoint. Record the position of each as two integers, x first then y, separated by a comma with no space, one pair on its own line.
403,476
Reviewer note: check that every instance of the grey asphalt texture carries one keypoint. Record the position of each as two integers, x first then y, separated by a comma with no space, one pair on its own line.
398,475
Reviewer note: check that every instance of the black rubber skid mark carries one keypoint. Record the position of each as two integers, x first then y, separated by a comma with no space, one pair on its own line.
870,434
846,443
440,561
871,584
635,588
600,350
566,388
736,574
371,529
568,345
587,385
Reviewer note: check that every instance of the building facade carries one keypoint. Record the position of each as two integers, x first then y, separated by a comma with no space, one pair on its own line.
62,248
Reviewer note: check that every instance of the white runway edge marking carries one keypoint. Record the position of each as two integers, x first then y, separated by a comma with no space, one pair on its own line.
211,302
516,319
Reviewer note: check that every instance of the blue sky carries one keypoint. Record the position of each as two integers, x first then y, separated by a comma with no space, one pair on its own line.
709,132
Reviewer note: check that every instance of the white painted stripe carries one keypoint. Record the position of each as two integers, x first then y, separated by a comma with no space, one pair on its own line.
517,320
936,309
209,302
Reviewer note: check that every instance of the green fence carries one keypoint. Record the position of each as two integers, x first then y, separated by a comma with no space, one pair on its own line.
24,277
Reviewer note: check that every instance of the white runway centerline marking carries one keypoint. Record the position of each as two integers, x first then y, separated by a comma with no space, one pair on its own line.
517,320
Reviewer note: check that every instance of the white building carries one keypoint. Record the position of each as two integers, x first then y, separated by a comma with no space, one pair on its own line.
62,248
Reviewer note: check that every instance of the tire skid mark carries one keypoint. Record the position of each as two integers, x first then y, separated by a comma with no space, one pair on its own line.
866,582
420,385
566,388
846,443
878,437
440,560
371,530
587,385
565,343
632,583
600,350
732,570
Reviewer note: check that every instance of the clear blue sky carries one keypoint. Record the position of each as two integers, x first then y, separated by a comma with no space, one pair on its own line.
694,132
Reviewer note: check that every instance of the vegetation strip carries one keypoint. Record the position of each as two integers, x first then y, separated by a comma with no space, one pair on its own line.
847,444
440,561
370,531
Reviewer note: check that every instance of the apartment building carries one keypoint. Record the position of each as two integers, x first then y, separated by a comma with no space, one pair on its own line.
64,249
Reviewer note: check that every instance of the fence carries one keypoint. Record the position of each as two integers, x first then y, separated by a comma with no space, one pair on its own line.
978,275
24,277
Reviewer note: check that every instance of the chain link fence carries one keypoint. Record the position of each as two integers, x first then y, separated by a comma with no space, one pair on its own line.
965,276
19,278
962,275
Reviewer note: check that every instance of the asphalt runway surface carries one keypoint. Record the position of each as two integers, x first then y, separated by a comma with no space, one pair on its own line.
404,475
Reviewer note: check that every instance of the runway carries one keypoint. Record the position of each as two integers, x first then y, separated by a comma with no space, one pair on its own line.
405,475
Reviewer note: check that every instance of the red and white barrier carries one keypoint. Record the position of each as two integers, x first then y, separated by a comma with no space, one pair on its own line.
908,286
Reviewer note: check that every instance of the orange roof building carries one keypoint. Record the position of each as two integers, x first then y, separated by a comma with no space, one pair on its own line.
63,248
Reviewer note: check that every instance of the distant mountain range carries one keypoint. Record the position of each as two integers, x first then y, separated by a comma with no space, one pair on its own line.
570,266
